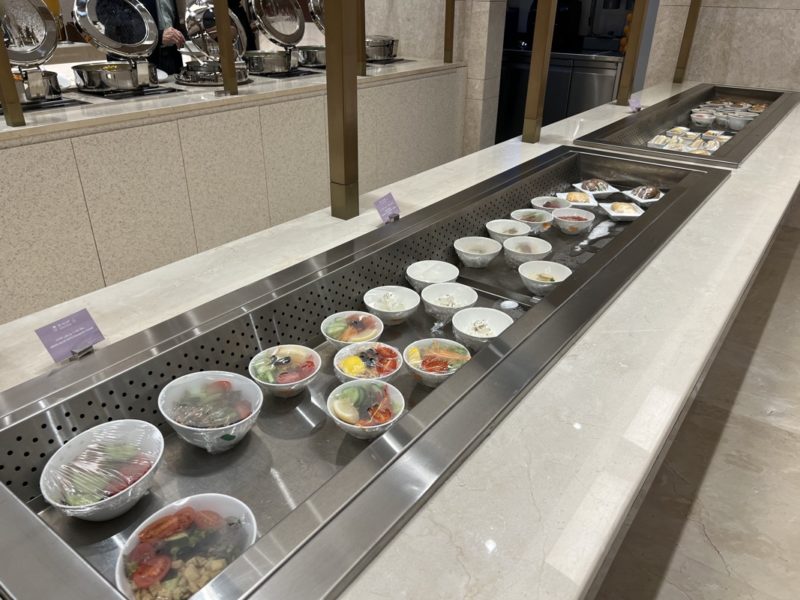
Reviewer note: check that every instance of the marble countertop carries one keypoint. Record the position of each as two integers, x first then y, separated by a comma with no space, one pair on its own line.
532,512
189,100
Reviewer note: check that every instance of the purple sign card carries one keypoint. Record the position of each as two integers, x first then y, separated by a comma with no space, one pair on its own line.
387,208
70,335
635,105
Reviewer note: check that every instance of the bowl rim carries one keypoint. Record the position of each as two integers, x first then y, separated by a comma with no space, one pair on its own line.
545,262
481,308
438,262
86,507
388,287
473,292
350,347
348,312
548,215
424,340
535,240
318,361
491,241
392,391
514,221
573,211
176,505
246,380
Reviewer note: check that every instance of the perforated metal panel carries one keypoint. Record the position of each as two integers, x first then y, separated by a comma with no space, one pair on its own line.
292,318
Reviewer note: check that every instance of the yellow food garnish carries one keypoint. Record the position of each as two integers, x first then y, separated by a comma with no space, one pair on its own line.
353,366
414,356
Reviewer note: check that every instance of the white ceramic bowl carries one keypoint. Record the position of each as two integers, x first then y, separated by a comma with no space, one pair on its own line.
212,439
462,297
477,252
352,349
139,433
572,227
425,377
375,298
354,314
540,201
502,229
464,320
225,506
522,250
367,433
737,120
539,220
425,272
528,271
284,390
703,119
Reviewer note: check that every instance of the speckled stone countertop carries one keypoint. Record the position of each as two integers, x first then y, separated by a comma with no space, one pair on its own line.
86,118
532,513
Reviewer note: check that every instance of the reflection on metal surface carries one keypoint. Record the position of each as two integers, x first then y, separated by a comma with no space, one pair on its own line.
325,502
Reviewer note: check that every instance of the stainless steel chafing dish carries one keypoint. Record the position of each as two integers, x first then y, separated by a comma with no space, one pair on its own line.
314,56
264,62
284,25
129,32
381,47
32,36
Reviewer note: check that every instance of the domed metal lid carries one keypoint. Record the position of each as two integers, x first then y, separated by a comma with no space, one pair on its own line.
281,21
201,25
29,31
317,10
122,27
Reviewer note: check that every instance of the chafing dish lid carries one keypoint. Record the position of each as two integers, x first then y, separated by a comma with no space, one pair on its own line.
317,10
281,21
29,32
201,25
122,27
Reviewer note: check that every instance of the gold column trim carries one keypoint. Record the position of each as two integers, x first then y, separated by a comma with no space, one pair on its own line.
632,52
449,29
686,42
12,109
226,51
540,64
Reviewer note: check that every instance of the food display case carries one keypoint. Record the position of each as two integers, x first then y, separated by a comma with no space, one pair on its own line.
640,131
324,501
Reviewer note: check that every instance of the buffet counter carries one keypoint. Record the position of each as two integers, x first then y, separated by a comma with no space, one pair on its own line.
536,509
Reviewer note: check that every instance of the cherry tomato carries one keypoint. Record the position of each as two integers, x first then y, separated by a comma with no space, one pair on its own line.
151,571
242,408
142,552
221,385
167,526
208,519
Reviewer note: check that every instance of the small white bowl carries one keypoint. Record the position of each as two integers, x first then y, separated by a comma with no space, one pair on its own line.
477,252
226,506
408,298
350,314
703,119
464,320
502,229
538,220
738,120
425,377
522,250
540,202
138,433
357,349
212,439
284,390
425,272
573,227
367,433
462,296
529,270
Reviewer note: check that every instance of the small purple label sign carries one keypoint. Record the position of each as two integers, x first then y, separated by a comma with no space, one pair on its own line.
387,208
70,335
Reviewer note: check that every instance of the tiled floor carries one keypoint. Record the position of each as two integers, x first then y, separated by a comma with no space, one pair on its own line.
722,518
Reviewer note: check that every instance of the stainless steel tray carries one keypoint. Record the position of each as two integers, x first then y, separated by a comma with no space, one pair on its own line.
632,133
325,503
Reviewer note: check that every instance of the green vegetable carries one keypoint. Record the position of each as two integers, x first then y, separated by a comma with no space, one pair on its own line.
121,452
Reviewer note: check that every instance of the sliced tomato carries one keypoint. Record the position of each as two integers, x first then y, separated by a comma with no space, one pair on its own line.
242,408
289,377
151,571
142,552
167,526
221,385
208,519
307,368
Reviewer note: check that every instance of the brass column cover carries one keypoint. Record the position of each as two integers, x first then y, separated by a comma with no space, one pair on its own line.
361,30
226,51
686,42
12,109
449,29
342,42
632,52
540,63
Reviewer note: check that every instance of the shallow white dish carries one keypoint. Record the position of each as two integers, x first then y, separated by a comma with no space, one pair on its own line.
642,201
465,322
140,433
590,203
367,433
622,216
225,506
502,229
425,272
357,349
527,272
462,296
611,190
284,390
211,439
407,297
477,252
522,250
